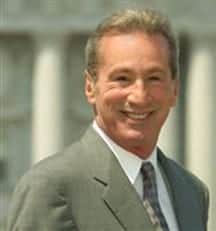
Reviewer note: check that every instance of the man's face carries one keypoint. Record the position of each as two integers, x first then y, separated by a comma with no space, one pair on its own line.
134,90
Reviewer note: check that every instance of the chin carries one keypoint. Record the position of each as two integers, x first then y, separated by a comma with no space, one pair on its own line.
134,136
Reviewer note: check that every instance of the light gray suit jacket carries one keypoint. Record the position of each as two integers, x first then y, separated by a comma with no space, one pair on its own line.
85,189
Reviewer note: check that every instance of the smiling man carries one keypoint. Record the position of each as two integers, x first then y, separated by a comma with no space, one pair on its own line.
115,178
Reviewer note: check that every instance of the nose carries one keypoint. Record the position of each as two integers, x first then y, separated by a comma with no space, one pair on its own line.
139,94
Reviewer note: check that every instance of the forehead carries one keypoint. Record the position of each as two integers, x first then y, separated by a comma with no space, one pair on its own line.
132,46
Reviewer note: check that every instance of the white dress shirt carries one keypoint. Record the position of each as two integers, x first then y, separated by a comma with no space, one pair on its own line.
131,164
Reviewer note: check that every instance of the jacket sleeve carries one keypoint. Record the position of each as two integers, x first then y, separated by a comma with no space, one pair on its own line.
39,204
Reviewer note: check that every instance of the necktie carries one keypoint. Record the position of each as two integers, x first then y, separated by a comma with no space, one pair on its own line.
150,196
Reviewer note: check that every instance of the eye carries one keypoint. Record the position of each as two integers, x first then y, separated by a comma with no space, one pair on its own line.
155,78
121,78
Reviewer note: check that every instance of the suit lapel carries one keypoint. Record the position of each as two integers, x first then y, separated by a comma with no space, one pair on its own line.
119,195
185,204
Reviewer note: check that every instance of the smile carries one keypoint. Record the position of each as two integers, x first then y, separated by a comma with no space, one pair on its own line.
137,116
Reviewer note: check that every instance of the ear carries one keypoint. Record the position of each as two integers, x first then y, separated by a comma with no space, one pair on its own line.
175,92
89,88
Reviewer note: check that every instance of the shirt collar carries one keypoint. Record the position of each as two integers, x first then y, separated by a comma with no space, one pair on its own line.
130,163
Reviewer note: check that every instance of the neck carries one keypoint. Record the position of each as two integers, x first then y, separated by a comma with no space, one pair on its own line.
141,152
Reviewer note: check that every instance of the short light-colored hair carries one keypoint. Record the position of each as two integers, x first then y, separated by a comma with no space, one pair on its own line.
128,21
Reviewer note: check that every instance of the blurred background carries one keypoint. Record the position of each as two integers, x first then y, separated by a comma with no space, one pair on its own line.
42,104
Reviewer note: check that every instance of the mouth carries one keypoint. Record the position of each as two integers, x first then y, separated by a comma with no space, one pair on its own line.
137,115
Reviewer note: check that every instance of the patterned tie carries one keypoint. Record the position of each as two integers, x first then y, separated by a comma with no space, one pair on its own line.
150,196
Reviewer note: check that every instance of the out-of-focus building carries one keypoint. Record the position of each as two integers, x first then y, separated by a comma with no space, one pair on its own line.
42,104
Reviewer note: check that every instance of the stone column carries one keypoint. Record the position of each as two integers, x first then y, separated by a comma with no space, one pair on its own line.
48,96
201,114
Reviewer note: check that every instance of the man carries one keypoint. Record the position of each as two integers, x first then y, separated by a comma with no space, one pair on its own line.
100,182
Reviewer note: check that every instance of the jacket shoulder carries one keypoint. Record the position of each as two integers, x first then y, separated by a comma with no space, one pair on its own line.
58,166
187,175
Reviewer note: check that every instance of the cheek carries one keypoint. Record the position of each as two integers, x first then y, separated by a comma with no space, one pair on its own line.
114,96
163,96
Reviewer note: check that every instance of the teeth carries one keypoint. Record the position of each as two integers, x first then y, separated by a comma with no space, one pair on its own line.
137,116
